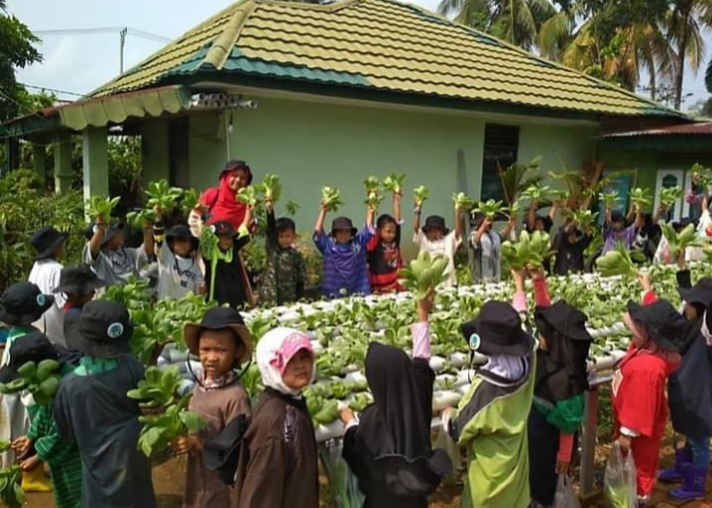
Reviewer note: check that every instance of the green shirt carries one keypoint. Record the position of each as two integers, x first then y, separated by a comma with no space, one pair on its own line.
492,425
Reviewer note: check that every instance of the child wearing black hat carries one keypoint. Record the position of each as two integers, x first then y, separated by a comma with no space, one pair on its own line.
487,245
491,419
344,251
78,285
640,407
92,409
225,275
284,278
561,381
223,344
438,240
50,246
690,393
112,261
42,442
178,264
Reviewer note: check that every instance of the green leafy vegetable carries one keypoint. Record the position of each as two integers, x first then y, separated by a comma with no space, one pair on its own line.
394,183
102,207
162,196
421,193
330,199
610,199
272,188
702,175
138,218
536,193
462,202
11,493
372,185
189,200
617,262
643,198
678,242
249,195
530,251
40,379
490,208
670,195
584,218
424,274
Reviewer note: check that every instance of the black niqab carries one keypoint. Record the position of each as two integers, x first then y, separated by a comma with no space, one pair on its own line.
398,421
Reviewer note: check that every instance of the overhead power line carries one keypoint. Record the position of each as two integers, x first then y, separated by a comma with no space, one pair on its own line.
54,90
111,29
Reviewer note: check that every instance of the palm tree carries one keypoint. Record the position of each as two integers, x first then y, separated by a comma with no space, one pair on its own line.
514,21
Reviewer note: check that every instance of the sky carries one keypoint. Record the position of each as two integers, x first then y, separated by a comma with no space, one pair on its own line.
79,63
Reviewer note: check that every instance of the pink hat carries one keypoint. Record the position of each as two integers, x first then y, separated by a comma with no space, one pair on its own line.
291,345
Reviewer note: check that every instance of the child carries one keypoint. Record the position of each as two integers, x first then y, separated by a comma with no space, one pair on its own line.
615,230
438,240
178,266
561,380
384,255
491,419
344,252
488,246
537,222
640,407
570,245
78,284
690,393
42,443
50,246
284,277
392,438
92,409
111,260
225,276
223,343
278,464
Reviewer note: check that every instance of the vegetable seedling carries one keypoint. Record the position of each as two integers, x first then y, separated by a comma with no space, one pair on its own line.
102,207
249,195
490,208
40,379
462,202
642,198
331,199
678,242
530,251
424,274
420,194
162,196
272,188
670,195
617,262
394,183
610,199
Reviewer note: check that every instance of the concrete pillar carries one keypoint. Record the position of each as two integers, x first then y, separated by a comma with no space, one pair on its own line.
155,161
63,174
39,161
95,162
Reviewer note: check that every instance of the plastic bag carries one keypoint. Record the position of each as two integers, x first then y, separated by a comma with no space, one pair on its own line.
446,443
620,479
565,496
342,482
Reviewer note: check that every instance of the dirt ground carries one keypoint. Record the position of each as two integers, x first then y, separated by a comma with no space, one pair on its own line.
169,480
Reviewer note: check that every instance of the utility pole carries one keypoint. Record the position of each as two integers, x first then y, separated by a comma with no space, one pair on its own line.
122,42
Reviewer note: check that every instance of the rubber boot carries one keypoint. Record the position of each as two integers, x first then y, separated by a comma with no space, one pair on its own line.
693,486
683,460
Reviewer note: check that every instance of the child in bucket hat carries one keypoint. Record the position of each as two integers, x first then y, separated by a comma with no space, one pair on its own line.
638,388
42,442
438,240
78,284
178,264
498,400
50,246
279,464
92,409
344,252
223,344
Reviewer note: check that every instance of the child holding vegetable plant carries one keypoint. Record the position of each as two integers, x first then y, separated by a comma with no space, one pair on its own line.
561,380
78,284
640,408
615,229
179,270
225,275
223,343
278,465
487,245
491,419
384,255
42,442
538,222
570,245
435,238
344,251
92,409
112,261
49,245
284,278
391,438
690,393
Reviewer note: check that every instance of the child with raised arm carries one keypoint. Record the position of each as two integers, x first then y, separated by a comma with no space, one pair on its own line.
344,252
487,245
284,278
384,254
438,240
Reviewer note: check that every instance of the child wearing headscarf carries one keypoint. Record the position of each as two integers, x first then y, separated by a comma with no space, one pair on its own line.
391,439
690,393
561,380
491,419
640,407
223,343
278,465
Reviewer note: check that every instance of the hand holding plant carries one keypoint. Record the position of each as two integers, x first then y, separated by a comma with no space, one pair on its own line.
330,199
394,183
420,194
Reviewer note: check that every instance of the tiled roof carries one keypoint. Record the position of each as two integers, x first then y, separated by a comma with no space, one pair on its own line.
693,129
378,45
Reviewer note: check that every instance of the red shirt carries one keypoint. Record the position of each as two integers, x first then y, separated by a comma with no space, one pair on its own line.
384,261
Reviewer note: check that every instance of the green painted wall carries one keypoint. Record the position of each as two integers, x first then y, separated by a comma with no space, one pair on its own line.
154,150
310,145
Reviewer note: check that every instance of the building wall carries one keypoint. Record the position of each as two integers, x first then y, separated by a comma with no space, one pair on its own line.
310,145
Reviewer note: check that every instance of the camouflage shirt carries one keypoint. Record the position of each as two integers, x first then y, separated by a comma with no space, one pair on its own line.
285,273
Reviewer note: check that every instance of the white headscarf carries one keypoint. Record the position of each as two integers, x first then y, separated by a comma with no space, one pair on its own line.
508,367
268,352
